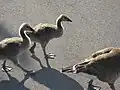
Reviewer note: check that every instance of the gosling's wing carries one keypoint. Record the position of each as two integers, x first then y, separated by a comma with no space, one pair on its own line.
10,45
11,40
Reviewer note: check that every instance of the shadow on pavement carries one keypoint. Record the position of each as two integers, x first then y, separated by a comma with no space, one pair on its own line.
12,84
5,31
55,80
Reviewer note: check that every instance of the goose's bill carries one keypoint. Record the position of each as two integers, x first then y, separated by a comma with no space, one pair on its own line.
69,20
74,68
68,69
31,29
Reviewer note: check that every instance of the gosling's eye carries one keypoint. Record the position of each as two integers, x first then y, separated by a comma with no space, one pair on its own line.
27,26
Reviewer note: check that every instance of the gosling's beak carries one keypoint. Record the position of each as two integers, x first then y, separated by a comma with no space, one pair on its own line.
69,20
31,29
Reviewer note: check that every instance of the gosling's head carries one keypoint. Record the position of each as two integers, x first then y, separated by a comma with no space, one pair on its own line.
25,27
63,17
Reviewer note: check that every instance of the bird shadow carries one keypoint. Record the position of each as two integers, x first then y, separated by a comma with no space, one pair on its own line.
13,84
54,79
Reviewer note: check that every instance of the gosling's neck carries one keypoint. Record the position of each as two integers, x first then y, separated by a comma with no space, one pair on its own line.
59,24
24,36
59,31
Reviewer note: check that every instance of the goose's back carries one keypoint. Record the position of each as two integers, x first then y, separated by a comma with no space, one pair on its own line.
44,32
45,27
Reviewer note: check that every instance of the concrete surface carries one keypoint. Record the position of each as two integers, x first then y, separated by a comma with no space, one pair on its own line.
96,25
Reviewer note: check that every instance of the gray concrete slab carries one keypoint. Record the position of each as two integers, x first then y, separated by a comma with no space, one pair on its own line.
96,25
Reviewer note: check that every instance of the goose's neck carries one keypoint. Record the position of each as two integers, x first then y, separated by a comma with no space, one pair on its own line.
24,36
59,24
59,31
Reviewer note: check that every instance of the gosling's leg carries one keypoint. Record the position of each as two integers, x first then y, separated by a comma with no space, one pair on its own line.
37,59
48,56
5,68
15,61
32,49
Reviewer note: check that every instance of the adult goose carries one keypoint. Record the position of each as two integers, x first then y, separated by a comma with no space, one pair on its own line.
104,64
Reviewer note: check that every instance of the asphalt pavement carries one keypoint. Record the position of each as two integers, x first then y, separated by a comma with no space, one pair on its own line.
96,25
